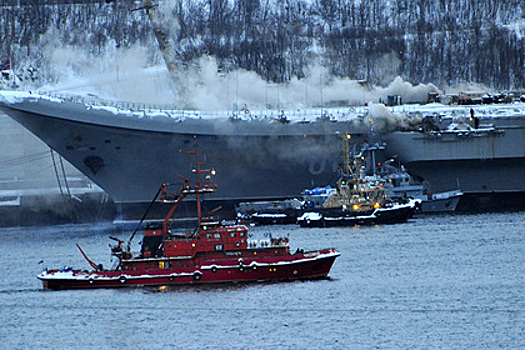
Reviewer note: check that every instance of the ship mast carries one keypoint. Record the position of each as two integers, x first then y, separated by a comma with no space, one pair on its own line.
187,189
353,189
350,168
199,187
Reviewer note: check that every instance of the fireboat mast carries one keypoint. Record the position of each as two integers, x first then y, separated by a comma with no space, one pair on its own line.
199,187
186,190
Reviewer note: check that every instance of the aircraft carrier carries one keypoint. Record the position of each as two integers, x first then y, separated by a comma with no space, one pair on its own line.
128,150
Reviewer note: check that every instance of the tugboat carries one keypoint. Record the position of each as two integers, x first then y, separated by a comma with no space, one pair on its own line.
212,253
357,199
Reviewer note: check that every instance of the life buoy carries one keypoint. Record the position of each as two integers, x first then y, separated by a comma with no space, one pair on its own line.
254,267
246,111
214,269
197,276
91,281
122,279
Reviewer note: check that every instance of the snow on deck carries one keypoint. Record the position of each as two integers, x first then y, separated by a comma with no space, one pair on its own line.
141,110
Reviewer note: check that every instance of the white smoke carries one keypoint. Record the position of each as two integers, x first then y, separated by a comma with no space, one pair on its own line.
470,86
382,119
208,89
138,74
128,74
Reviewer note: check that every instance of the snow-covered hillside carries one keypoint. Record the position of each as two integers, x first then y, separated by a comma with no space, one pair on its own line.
447,43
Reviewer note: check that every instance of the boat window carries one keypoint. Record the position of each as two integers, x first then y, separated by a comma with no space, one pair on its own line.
241,234
164,264
208,235
216,235
219,247
233,234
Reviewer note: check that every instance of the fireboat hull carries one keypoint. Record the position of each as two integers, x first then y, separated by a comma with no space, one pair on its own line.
308,265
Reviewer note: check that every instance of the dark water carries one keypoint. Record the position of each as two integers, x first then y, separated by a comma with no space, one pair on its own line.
444,282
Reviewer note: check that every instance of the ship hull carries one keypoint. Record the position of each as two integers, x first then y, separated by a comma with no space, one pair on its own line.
129,157
488,168
129,154
310,265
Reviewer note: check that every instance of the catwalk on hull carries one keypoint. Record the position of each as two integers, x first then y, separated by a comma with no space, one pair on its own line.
127,153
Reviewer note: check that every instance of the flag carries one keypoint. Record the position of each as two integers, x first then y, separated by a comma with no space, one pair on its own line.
5,65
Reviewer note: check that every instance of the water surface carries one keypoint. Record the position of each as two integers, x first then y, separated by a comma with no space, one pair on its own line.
437,282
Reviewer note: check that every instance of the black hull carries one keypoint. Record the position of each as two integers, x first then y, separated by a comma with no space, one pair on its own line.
288,220
489,202
386,216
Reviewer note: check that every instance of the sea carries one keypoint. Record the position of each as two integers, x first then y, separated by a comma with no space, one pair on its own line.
436,282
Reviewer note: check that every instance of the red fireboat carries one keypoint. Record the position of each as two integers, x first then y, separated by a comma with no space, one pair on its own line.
212,253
